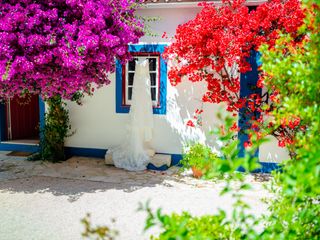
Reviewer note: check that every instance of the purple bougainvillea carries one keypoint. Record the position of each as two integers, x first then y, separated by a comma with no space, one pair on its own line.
59,47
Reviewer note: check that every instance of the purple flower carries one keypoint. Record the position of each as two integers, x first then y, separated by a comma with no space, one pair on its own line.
61,46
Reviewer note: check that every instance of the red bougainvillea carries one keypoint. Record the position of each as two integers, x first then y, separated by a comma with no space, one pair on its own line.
215,45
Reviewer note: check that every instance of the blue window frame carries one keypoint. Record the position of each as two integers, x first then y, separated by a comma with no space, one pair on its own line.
154,50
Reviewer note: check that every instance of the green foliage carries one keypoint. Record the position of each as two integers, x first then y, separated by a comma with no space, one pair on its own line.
98,232
202,158
295,69
56,128
147,27
184,226
227,136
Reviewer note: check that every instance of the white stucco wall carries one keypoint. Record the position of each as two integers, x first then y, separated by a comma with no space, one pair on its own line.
98,125
271,152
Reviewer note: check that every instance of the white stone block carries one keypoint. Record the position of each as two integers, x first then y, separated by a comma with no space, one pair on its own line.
108,159
159,160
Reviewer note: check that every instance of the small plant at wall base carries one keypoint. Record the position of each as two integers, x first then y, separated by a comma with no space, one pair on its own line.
56,128
200,159
204,163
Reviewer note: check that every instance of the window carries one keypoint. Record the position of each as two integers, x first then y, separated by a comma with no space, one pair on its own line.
154,65
158,77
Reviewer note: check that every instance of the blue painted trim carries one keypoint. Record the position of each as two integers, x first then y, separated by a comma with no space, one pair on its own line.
100,153
159,48
267,167
42,111
150,166
175,159
119,97
19,147
85,152
248,86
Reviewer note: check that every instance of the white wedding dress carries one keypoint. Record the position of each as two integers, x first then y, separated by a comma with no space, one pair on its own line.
132,153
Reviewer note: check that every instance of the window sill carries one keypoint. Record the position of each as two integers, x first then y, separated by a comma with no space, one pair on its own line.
126,109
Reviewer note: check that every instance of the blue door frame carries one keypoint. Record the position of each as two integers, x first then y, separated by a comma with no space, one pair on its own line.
18,147
248,86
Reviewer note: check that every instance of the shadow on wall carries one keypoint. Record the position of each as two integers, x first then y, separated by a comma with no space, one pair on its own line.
270,151
182,102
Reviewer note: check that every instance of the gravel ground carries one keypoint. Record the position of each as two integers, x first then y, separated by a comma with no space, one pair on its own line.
47,201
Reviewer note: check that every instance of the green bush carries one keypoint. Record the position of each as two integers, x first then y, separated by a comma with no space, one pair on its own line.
295,69
56,129
186,227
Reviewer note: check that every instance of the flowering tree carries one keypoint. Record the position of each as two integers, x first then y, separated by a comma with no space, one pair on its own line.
57,49
60,47
215,46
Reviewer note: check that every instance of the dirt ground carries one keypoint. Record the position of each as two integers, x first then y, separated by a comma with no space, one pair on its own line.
46,201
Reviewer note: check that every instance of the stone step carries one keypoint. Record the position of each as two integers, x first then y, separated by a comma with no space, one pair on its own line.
157,160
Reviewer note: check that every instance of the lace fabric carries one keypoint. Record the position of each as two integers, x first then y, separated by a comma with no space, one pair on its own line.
131,154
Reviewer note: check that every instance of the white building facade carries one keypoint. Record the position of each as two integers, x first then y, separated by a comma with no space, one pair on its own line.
100,122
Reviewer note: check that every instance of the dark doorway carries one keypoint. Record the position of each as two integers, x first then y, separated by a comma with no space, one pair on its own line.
22,119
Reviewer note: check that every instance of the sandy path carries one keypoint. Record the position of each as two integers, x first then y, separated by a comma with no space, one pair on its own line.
47,204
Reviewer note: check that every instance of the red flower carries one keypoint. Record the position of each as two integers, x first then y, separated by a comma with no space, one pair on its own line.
222,37
281,143
164,35
234,127
247,144
190,124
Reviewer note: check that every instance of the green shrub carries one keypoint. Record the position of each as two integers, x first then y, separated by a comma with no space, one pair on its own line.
295,213
55,130
219,226
185,226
